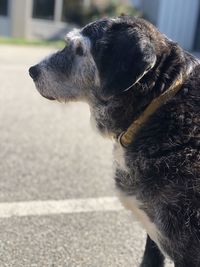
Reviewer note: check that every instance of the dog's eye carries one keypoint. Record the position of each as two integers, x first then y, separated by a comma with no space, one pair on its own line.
79,50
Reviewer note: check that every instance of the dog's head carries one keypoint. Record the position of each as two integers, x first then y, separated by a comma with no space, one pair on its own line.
105,58
105,64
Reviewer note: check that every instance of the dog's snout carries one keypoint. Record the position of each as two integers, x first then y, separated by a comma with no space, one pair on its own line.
34,72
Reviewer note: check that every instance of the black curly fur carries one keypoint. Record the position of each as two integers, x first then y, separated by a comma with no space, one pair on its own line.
163,170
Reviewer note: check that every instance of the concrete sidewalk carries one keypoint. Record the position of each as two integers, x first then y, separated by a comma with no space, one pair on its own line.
50,153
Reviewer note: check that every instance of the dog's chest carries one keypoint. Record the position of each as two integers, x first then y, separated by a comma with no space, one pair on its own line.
131,202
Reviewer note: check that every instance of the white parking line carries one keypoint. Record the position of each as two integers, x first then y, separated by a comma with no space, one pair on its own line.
35,208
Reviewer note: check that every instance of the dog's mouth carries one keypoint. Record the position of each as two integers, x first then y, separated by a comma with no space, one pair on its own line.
61,100
48,97
49,94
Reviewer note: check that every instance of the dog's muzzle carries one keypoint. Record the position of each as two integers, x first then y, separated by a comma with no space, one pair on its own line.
34,72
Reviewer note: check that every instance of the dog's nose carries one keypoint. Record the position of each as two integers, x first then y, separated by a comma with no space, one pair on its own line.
34,72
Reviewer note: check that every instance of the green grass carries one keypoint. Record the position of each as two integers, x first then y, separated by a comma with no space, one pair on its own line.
17,41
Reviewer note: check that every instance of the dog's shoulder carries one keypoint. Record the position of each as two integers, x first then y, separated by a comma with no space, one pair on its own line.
193,81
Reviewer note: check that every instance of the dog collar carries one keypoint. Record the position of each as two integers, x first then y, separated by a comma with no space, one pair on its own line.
128,136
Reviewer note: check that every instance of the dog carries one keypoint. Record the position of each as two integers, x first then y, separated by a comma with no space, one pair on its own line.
143,91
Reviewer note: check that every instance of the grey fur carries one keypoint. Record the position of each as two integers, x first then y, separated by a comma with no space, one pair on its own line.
73,83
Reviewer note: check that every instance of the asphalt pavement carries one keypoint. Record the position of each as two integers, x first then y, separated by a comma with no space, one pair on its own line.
58,205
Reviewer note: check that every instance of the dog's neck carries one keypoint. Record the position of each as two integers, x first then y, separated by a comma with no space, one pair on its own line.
128,136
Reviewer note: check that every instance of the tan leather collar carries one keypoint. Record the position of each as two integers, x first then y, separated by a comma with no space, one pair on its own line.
127,137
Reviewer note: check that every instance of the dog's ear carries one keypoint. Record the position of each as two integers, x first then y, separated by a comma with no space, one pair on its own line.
124,56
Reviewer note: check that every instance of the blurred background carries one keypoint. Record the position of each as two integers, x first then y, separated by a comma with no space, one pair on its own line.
48,151
51,19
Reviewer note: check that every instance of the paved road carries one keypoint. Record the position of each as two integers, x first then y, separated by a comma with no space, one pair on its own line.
57,197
